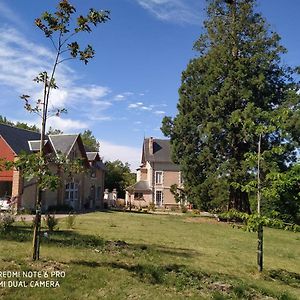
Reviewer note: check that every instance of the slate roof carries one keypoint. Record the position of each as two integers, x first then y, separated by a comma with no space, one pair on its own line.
62,143
140,186
99,163
26,140
161,153
18,138
161,150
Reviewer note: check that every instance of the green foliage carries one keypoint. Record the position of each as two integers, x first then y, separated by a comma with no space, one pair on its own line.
118,176
70,221
43,169
53,131
6,221
65,208
89,141
282,194
51,222
253,221
59,23
21,125
152,206
178,193
235,90
183,208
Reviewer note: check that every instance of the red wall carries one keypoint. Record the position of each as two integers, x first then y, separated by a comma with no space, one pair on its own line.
7,154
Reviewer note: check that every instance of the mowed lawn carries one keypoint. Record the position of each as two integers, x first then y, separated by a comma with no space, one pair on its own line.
121,255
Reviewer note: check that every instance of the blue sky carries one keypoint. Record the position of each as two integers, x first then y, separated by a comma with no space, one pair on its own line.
124,92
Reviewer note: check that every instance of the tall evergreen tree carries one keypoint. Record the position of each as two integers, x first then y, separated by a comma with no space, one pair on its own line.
236,89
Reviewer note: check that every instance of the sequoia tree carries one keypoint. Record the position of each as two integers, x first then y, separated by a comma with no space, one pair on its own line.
234,91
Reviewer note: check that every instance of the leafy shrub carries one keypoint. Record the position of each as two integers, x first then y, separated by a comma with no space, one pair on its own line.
184,209
253,221
51,222
70,221
6,220
173,208
60,208
152,206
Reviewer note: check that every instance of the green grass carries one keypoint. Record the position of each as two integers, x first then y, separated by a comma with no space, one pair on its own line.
114,255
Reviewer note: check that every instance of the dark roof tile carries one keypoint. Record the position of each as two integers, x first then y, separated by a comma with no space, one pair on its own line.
18,138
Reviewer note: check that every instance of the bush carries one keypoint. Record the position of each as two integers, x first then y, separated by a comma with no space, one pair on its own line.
70,221
60,208
6,220
51,222
184,209
152,206
173,208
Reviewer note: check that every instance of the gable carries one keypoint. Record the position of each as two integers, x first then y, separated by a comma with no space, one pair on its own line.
7,154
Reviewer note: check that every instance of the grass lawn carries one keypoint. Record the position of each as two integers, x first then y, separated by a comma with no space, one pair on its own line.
115,255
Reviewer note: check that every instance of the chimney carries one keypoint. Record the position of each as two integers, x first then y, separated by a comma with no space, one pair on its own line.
151,145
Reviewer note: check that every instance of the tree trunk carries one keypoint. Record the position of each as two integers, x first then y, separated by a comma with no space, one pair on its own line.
239,200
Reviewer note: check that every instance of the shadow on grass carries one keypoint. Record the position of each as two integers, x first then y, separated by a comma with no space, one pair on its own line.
62,238
289,278
69,238
183,278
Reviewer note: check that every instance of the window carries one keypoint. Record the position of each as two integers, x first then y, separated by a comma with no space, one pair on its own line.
158,198
71,192
138,195
158,177
180,178
98,192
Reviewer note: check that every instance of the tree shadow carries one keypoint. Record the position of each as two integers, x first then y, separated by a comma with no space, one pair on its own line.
61,238
151,273
184,278
286,277
70,238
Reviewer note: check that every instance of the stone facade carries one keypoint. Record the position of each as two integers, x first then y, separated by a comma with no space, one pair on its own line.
80,191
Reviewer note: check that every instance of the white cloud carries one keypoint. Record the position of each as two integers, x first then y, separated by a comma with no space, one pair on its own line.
90,92
176,11
119,97
21,61
146,108
67,125
133,105
100,118
140,106
159,112
111,151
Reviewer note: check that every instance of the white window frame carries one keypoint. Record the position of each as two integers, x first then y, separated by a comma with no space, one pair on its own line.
72,189
157,173
180,179
160,203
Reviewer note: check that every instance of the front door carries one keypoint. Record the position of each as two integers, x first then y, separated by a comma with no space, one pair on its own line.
158,198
